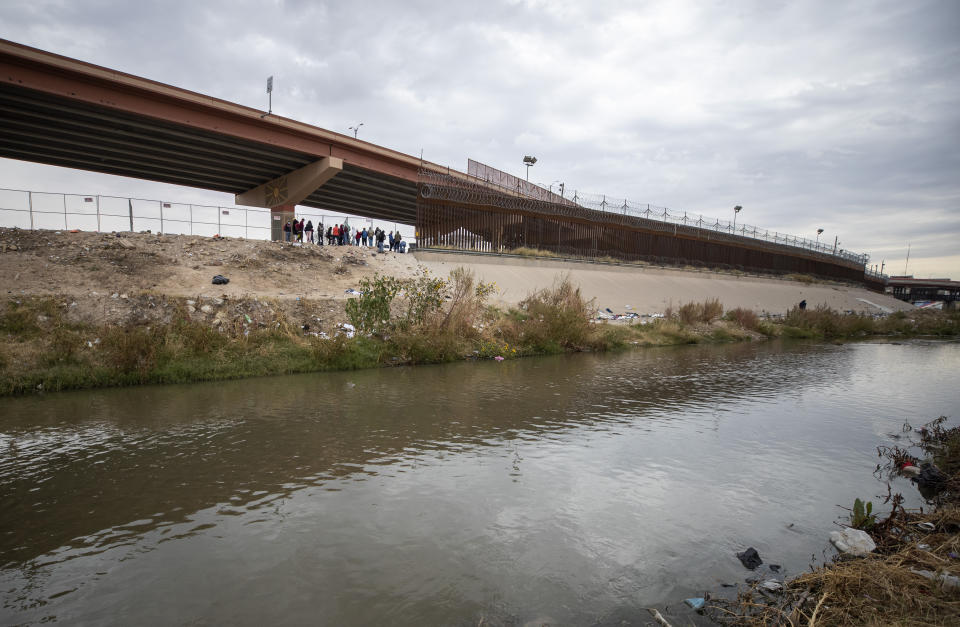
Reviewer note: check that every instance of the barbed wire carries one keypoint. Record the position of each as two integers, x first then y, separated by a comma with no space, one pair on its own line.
510,184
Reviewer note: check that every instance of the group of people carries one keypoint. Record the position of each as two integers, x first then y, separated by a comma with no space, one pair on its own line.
343,235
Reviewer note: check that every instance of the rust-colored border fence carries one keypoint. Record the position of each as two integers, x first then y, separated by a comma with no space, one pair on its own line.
464,215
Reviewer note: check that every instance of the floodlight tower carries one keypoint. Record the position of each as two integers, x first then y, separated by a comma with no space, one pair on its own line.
529,161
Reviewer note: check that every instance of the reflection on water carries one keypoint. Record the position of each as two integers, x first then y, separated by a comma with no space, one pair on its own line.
573,489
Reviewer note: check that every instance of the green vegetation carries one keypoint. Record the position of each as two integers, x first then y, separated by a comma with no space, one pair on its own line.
862,517
825,323
422,320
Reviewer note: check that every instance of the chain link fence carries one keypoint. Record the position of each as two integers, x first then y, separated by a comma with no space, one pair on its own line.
55,211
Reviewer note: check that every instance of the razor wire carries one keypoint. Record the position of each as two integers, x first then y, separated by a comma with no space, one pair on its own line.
514,187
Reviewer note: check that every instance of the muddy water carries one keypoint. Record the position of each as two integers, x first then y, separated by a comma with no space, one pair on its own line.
576,490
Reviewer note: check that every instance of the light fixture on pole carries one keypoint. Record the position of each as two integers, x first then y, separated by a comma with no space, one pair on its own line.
355,129
529,161
736,210
269,96
819,231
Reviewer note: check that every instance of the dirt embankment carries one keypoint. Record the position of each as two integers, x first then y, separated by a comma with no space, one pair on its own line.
134,277
120,277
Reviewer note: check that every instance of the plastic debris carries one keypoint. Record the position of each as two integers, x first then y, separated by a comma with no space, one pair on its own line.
220,280
852,541
948,582
696,602
772,586
750,558
766,572
657,616
498,358
930,477
926,526
910,471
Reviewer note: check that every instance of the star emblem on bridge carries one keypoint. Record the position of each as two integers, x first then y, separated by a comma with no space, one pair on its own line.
276,192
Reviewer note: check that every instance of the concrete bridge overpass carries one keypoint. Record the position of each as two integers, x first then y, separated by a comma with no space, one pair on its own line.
62,111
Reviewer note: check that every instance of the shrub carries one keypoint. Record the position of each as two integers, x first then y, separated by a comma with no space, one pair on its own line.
745,318
130,350
707,311
552,319
370,312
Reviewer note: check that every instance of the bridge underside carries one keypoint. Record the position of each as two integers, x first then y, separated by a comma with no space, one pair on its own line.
452,213
50,129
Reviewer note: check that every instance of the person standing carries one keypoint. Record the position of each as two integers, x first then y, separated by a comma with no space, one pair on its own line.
380,238
309,231
391,240
286,231
397,239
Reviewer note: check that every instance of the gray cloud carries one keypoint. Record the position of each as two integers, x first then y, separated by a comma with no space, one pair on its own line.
842,116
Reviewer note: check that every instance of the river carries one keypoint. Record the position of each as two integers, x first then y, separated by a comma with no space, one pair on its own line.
574,490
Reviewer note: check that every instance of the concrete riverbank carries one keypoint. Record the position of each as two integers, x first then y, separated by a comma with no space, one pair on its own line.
651,289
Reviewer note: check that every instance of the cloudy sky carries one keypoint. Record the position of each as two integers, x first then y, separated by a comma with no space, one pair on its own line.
810,114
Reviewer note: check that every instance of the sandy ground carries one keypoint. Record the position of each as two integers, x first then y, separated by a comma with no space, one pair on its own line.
111,277
645,289
50,262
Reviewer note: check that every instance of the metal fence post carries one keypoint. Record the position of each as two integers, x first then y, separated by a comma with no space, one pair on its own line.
98,213
65,227
161,216
130,206
218,220
30,207
191,219
246,224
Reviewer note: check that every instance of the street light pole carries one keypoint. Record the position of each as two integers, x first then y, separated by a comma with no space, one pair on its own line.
736,210
819,231
529,161
355,129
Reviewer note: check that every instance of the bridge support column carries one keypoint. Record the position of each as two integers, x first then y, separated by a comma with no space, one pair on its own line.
284,192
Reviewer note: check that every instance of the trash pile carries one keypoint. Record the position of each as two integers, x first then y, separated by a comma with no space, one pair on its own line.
608,314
